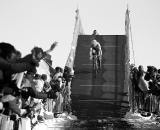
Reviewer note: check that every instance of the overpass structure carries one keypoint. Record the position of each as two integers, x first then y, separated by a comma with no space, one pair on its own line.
107,93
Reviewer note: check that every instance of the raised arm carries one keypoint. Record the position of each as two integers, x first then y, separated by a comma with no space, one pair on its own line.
52,47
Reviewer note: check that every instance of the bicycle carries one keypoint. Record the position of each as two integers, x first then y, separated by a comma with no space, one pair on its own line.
95,64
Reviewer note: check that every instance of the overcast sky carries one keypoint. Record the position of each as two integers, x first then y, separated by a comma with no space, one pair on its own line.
29,23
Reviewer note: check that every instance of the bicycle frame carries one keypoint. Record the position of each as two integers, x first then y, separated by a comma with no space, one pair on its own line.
95,65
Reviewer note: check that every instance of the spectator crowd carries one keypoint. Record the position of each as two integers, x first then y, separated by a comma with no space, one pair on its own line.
145,90
27,96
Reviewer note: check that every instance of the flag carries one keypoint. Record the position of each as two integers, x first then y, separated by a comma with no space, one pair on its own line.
127,25
127,58
128,83
78,30
129,40
127,29
127,22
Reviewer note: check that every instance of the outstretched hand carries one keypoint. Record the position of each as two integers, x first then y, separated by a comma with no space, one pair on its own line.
54,44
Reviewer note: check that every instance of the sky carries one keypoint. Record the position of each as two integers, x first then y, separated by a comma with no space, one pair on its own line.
29,23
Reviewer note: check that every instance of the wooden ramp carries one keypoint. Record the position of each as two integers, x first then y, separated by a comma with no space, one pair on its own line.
106,91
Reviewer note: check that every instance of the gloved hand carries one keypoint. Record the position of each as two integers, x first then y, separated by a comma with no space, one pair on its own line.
52,95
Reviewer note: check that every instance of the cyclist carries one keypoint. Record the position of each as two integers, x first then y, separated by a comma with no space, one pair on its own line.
95,50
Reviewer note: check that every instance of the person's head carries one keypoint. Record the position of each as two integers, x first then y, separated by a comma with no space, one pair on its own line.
37,52
93,43
94,32
140,68
67,70
37,76
19,55
29,75
8,52
68,73
151,73
44,77
58,69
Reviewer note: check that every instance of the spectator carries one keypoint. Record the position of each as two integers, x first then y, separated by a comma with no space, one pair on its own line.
96,36
8,66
